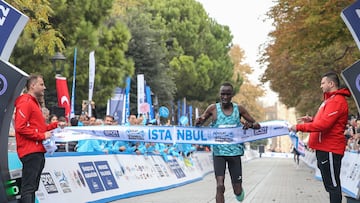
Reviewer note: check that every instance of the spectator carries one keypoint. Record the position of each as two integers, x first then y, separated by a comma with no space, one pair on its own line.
92,120
92,145
120,146
31,129
72,144
74,121
327,133
83,120
296,156
46,113
132,120
53,118
108,144
109,120
61,146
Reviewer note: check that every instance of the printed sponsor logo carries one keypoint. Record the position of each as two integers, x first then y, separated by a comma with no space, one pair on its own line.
111,133
48,183
3,84
106,175
261,131
134,134
91,177
222,136
357,82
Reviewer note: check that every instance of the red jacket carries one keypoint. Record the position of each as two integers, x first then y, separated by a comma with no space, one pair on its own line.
30,125
328,125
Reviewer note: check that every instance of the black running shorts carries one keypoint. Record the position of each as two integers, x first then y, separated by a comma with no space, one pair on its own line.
234,165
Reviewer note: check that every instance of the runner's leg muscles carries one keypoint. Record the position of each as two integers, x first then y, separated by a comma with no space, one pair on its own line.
220,189
219,168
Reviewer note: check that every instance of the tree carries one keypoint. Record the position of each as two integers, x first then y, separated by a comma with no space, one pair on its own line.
181,52
310,39
202,50
249,93
191,75
87,26
169,41
147,48
45,38
39,40
95,31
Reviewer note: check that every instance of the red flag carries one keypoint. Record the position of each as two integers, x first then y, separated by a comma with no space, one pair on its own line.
63,95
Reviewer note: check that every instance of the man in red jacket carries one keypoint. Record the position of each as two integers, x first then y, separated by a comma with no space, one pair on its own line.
327,133
30,130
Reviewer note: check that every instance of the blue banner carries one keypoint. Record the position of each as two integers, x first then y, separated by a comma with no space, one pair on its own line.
91,177
149,101
351,76
12,22
12,82
72,111
117,104
190,115
173,134
106,175
351,17
127,100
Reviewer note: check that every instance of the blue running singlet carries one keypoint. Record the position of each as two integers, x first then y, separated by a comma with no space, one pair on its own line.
226,121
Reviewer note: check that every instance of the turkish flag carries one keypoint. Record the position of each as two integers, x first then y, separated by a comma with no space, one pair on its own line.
63,95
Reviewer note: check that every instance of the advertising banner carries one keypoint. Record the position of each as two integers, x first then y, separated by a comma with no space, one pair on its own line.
12,22
91,79
351,76
351,17
12,82
173,134
350,174
141,102
126,113
105,178
116,105
72,111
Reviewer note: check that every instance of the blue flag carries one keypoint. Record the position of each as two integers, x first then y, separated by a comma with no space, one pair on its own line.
127,100
12,82
72,111
12,22
351,76
351,17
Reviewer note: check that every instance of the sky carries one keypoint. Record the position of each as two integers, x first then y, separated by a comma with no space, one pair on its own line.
245,19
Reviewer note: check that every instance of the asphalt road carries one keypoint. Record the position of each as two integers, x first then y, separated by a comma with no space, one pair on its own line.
266,180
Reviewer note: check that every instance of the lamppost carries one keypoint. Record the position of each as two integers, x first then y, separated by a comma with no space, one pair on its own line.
58,62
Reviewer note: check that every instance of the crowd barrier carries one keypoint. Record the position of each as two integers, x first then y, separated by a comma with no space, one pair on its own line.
98,177
350,172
